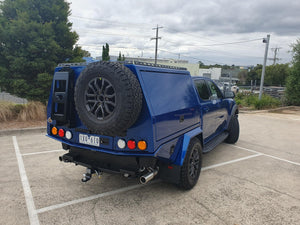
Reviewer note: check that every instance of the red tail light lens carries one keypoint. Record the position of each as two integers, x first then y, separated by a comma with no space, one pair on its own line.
131,144
61,133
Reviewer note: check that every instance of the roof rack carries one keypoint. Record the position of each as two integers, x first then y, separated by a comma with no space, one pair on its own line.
126,62
72,64
153,65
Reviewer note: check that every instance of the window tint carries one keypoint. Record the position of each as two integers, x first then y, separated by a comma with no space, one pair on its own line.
202,89
215,91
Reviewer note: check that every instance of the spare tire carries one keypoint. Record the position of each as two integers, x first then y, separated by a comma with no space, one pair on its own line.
108,98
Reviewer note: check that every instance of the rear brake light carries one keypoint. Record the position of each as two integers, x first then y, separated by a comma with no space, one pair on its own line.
131,144
61,133
54,130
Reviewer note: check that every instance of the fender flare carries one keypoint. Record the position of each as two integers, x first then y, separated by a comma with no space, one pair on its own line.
185,144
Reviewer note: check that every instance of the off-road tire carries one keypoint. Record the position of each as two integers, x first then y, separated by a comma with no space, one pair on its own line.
108,98
233,129
191,168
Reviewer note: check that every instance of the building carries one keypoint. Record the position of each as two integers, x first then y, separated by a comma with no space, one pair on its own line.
220,74
212,73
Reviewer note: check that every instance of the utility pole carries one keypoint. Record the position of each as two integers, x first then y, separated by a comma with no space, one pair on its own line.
265,40
275,54
156,41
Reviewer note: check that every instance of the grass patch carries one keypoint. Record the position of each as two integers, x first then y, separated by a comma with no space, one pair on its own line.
251,101
32,111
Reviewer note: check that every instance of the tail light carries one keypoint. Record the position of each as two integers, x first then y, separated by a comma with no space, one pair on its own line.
61,133
142,145
131,144
54,130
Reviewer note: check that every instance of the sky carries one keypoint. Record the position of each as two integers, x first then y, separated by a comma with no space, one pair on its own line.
212,31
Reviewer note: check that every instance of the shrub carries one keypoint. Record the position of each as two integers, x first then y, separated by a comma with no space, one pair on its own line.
251,100
6,112
27,112
33,111
266,102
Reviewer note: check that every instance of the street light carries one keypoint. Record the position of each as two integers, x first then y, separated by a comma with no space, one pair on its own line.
267,41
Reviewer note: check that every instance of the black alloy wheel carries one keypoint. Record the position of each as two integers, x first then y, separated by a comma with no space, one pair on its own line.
100,98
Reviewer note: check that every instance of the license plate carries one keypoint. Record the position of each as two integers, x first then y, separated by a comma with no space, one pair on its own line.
89,140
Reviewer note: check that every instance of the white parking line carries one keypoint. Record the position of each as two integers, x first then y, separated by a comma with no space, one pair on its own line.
229,162
48,208
118,191
43,152
32,214
271,156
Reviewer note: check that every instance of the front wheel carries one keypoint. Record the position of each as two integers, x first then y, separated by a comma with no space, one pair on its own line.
234,130
191,168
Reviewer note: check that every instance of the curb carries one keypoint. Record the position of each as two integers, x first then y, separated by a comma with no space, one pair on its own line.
22,131
264,111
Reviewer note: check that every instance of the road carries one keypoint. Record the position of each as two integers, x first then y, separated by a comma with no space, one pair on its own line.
255,181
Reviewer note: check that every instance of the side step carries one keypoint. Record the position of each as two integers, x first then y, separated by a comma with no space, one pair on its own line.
214,142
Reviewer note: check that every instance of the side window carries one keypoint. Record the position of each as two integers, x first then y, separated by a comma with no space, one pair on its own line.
215,91
202,89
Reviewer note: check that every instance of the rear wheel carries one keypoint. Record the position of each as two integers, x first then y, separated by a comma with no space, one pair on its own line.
191,168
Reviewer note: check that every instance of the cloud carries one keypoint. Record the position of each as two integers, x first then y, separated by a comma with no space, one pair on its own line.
188,25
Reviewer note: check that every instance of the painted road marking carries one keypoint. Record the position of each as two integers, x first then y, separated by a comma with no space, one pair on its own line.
118,191
37,153
33,217
230,162
32,212
271,156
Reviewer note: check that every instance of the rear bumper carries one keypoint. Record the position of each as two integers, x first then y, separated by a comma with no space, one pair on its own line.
135,166
105,162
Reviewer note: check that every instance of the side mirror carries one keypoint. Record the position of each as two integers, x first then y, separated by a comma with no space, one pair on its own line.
229,94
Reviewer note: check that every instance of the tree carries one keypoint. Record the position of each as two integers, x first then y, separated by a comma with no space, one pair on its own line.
105,52
276,74
35,36
121,57
254,74
293,80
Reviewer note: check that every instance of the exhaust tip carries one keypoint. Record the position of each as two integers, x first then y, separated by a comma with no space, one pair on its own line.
143,180
147,177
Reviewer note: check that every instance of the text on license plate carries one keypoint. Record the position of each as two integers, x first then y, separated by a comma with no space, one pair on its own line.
89,140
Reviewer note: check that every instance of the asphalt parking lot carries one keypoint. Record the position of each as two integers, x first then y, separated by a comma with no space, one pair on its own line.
255,181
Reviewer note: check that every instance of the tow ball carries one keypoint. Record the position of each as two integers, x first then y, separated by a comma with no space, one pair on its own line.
88,175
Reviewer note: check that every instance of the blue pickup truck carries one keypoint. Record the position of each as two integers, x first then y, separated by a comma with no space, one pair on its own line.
139,120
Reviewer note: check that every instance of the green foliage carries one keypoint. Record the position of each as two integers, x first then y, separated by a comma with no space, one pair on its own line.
254,74
252,101
276,74
266,102
292,92
105,52
35,36
121,57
